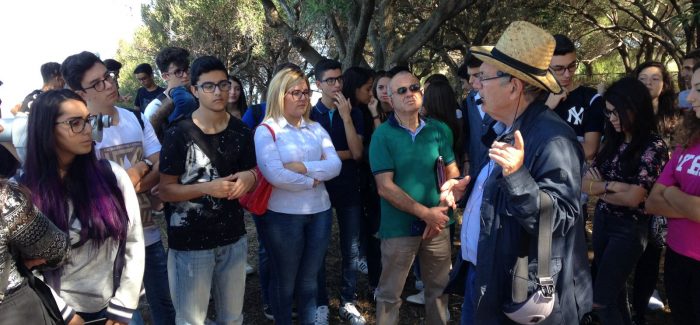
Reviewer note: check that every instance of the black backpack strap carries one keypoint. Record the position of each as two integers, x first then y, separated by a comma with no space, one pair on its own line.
138,117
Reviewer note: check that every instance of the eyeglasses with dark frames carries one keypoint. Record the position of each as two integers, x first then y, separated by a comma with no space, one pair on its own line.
179,72
499,74
608,113
77,124
414,88
332,81
559,69
99,85
210,87
299,94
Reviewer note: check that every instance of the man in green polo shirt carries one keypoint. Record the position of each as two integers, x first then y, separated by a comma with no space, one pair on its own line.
403,156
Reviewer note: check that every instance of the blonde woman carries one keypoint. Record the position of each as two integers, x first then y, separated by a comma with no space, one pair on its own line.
295,160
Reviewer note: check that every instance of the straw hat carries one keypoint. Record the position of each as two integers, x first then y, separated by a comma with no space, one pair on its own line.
525,52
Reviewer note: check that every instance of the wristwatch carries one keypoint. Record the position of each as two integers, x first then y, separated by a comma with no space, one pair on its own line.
149,164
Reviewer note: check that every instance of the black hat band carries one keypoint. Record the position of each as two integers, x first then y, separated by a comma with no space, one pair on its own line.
524,67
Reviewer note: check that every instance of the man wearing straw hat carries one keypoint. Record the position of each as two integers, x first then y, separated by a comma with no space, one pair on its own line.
532,152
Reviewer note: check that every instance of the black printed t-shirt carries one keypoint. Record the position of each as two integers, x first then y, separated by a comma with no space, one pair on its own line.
144,97
583,111
205,222
29,100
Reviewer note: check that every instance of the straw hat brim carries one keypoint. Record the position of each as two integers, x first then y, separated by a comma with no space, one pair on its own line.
546,82
11,149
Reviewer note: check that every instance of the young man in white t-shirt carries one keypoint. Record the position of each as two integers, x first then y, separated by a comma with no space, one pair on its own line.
131,143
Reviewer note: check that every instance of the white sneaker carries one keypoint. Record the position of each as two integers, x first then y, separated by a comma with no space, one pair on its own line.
418,298
321,315
361,265
350,313
655,302
249,269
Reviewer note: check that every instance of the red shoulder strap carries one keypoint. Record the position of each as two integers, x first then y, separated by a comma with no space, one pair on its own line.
271,131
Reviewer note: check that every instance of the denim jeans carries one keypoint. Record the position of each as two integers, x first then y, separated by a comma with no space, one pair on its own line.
469,294
263,261
296,245
155,280
349,224
193,275
618,242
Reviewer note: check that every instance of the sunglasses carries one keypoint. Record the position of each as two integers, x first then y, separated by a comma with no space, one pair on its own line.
414,88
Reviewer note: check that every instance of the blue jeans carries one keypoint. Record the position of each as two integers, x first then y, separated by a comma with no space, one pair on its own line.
263,261
469,294
349,225
296,245
155,280
193,275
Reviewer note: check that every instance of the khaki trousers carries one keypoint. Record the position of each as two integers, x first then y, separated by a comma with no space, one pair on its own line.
397,256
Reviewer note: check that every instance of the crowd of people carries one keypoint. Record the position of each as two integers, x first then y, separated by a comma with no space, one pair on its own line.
398,164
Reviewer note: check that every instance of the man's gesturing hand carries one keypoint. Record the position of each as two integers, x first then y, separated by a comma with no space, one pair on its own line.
509,157
453,190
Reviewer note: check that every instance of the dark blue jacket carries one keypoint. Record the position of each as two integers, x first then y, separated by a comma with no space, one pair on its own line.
510,210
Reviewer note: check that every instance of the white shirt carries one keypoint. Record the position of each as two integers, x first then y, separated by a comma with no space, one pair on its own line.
126,144
294,193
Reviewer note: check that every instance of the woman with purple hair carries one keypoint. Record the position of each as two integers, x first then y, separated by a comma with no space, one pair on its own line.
92,201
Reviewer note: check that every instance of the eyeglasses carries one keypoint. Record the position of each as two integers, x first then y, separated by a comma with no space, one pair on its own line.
77,124
100,84
414,88
144,78
499,74
608,113
209,87
559,69
180,72
332,81
299,94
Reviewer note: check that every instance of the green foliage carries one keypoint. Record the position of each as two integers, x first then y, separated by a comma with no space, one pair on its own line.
611,36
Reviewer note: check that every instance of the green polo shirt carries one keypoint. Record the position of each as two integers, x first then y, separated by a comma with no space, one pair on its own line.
411,157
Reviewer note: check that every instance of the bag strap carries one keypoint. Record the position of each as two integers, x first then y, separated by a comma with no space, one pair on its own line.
544,255
274,139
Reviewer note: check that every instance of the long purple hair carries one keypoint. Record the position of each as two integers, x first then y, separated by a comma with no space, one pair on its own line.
89,183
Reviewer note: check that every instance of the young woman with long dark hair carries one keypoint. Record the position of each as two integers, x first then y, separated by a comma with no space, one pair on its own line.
237,103
622,174
440,103
676,195
381,107
91,200
656,78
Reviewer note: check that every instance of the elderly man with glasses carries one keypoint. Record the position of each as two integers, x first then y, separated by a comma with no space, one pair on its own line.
410,157
525,193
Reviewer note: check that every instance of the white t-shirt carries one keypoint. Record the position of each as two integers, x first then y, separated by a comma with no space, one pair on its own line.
126,144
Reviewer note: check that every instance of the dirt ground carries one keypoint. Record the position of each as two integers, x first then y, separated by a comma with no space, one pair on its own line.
410,313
